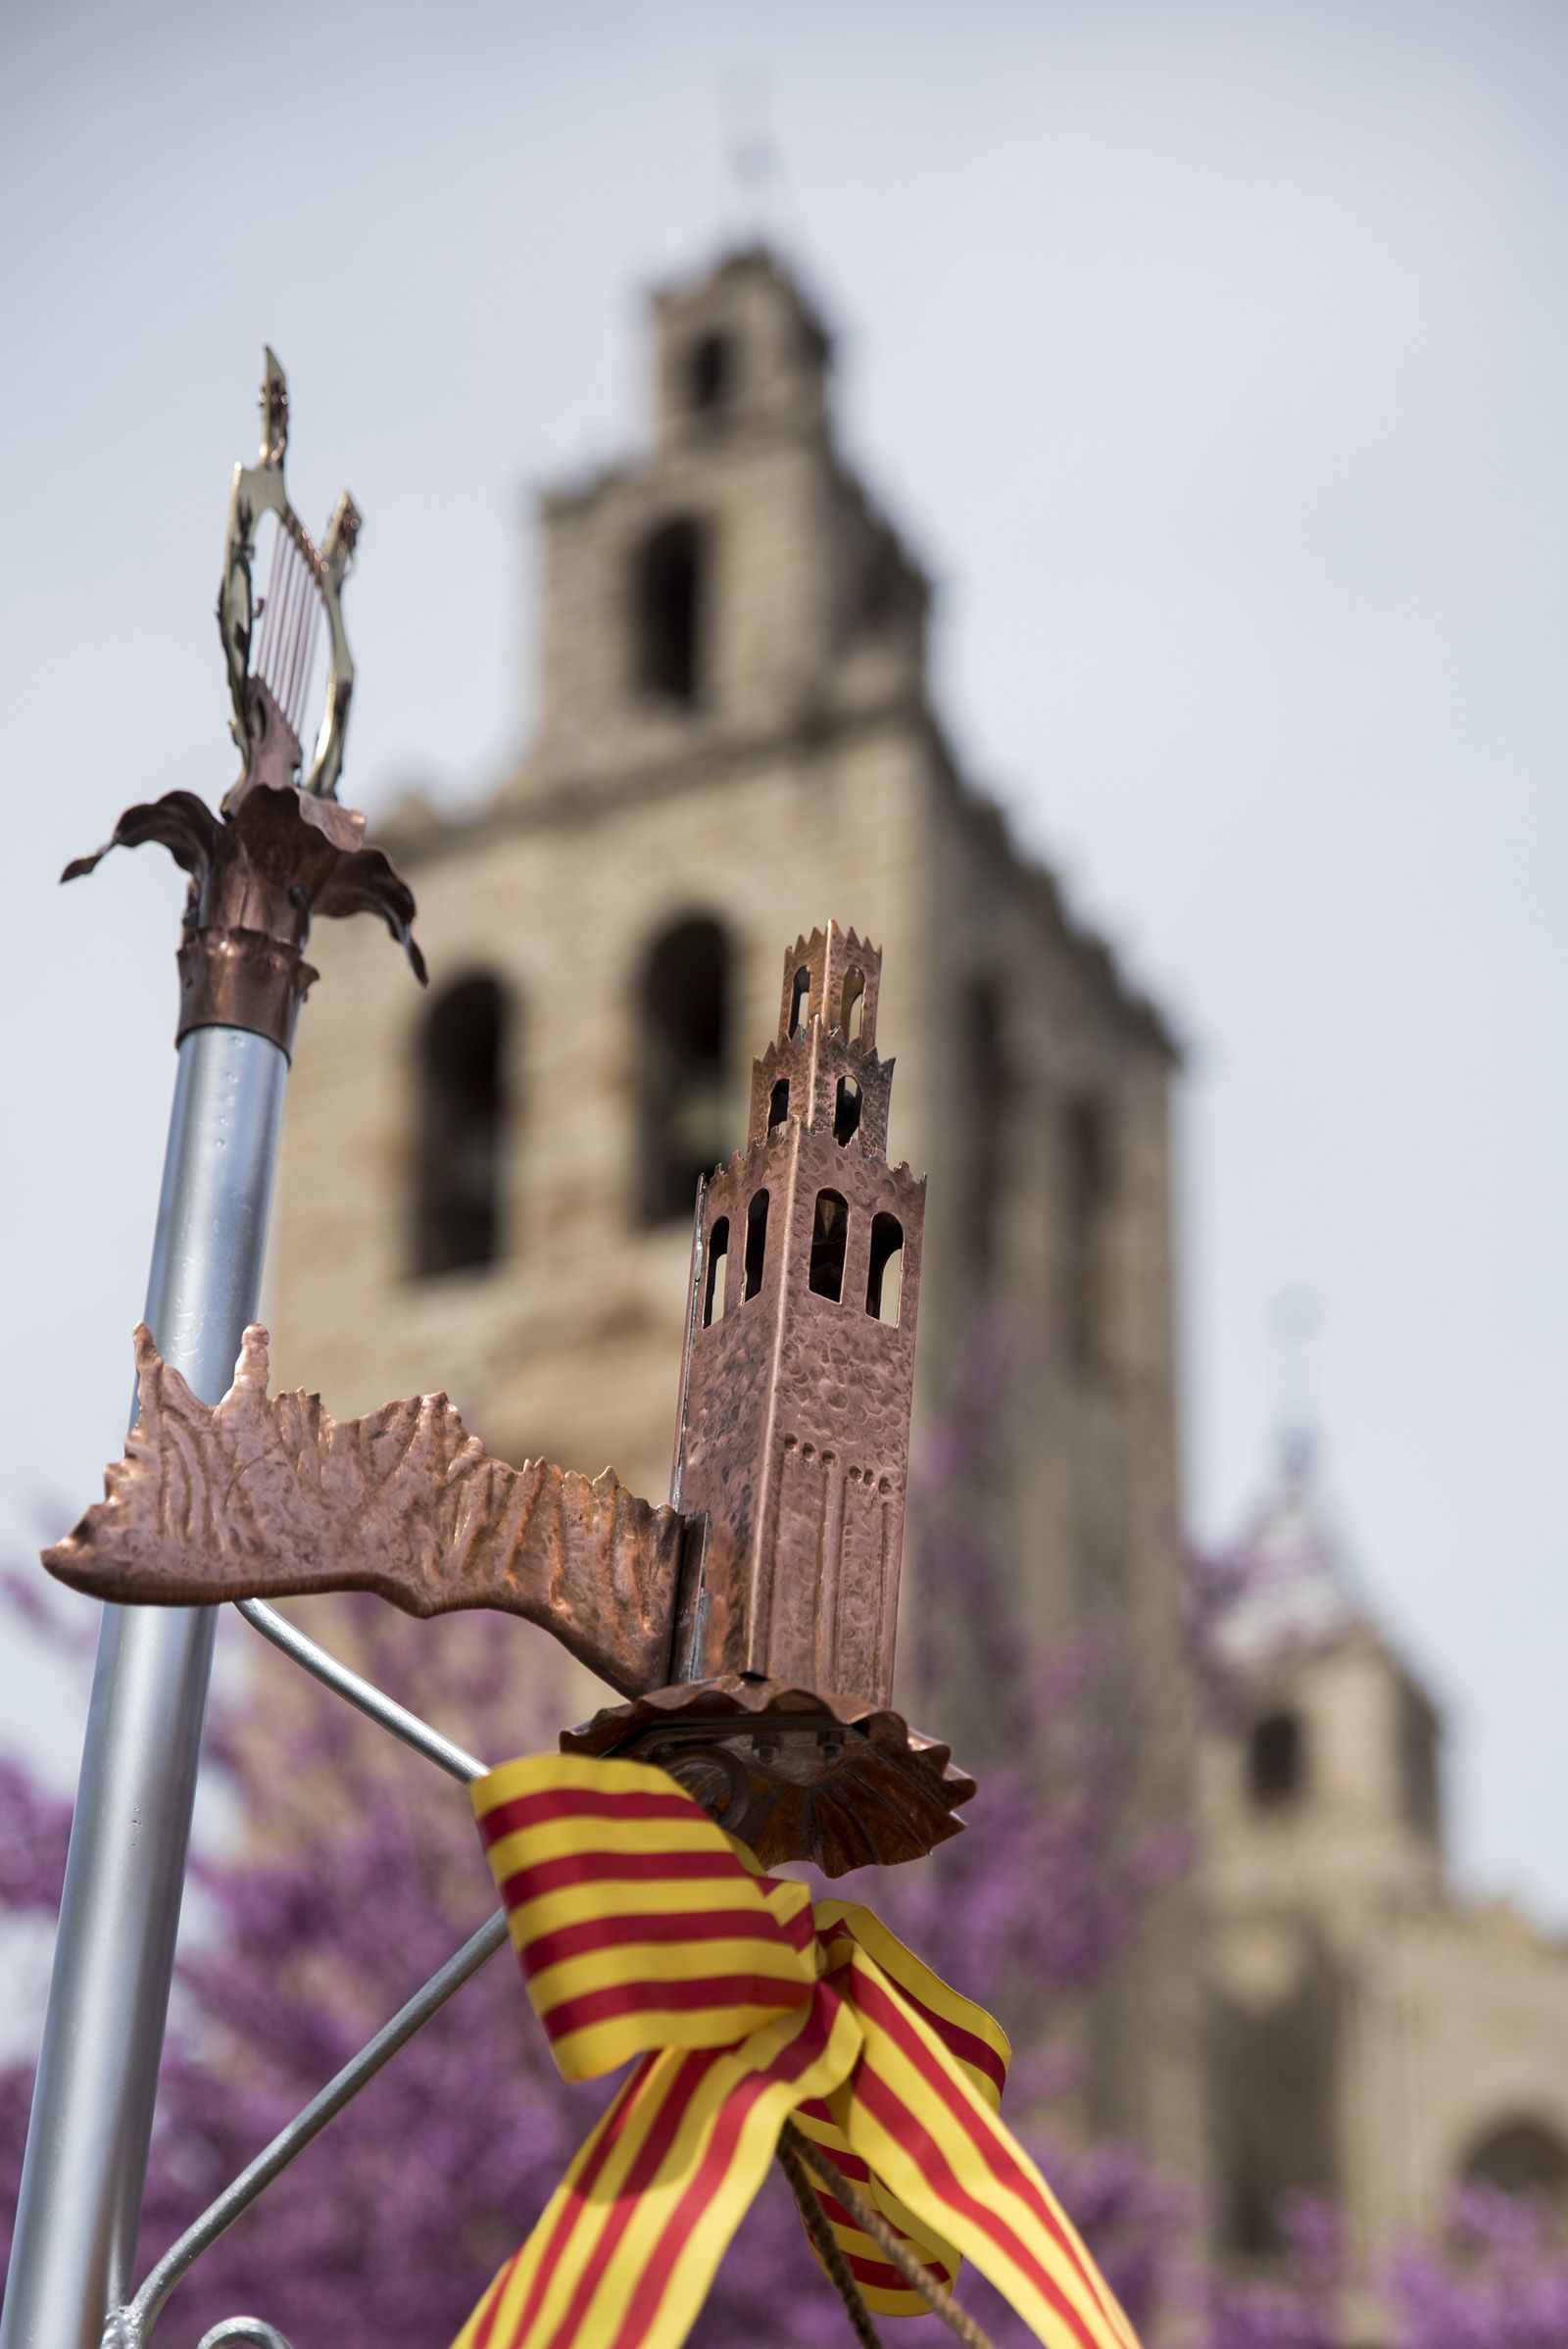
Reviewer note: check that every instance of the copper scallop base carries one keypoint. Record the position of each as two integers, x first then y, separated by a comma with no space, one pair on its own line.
795,1775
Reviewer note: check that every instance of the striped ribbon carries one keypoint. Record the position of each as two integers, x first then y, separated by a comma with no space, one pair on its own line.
643,1930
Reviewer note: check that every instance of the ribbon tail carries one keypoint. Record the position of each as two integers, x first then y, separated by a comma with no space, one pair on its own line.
881,2286
629,2243
923,2130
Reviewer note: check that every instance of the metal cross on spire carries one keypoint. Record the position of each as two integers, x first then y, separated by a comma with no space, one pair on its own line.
752,153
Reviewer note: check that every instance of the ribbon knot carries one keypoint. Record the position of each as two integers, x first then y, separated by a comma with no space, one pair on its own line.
644,1930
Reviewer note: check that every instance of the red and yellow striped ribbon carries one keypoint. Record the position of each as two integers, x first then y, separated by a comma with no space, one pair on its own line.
643,1930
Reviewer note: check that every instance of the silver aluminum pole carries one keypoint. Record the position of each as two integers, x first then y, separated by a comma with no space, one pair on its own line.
92,2111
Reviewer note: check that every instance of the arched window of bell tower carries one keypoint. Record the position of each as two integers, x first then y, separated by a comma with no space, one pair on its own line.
830,1234
461,1114
800,1001
756,1244
717,1288
1276,1759
1527,2158
885,1282
684,1123
669,612
710,375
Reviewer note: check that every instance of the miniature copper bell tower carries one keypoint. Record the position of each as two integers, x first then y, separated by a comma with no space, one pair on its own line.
799,1377
791,1453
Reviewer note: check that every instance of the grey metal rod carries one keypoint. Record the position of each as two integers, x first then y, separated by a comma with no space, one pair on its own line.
370,1700
92,2111
356,2073
243,2329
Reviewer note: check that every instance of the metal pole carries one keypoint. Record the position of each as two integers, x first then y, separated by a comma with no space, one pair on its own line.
93,2110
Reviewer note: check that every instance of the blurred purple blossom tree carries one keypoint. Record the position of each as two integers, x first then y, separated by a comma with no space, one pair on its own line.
1499,2279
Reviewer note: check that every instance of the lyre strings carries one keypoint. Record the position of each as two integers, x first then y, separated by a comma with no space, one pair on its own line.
291,615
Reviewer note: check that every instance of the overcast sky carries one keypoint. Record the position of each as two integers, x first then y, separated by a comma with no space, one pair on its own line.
1214,357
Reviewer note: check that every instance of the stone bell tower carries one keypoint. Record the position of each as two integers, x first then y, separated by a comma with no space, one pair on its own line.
490,1188
799,1375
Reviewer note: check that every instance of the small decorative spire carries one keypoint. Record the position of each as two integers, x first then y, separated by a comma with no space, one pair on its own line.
275,412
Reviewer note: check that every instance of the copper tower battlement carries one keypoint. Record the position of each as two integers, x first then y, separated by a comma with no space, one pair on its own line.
799,1374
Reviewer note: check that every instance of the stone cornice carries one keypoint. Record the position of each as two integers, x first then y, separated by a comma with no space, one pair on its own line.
541,803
